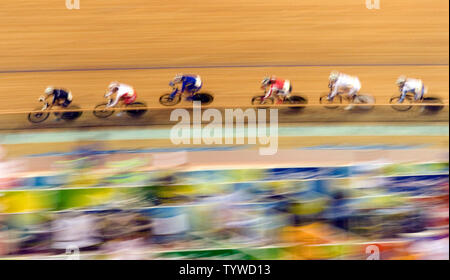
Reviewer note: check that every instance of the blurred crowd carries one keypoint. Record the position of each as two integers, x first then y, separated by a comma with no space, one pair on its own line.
96,205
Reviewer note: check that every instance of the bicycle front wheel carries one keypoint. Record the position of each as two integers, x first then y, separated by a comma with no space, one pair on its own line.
102,111
167,101
38,117
402,107
331,104
258,101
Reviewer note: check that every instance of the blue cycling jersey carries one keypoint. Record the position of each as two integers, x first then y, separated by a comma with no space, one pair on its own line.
188,84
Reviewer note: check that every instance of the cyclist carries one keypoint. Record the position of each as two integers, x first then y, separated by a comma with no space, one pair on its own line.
61,97
415,86
125,93
339,82
189,83
281,88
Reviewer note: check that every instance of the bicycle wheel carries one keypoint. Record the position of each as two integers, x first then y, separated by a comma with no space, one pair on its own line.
71,115
402,107
204,98
102,111
167,101
138,109
364,99
331,104
295,99
39,116
256,100
433,108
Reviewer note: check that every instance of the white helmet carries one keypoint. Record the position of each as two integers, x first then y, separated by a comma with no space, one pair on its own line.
49,90
113,85
178,78
333,76
265,81
401,80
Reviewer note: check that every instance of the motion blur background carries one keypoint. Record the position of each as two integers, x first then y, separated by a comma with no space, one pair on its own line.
343,185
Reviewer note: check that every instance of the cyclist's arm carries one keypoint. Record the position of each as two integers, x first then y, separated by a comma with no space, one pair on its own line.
268,93
403,92
109,93
49,105
334,90
54,99
174,92
118,96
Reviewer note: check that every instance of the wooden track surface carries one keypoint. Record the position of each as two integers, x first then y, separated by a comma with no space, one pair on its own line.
315,35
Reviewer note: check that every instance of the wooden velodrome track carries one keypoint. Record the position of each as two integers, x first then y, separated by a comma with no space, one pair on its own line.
231,44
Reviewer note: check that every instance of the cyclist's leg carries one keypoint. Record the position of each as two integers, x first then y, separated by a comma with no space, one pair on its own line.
130,99
351,95
287,89
280,97
192,89
419,93
66,103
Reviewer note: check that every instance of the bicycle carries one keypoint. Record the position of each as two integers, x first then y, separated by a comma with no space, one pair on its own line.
293,99
103,111
409,100
204,98
359,99
44,112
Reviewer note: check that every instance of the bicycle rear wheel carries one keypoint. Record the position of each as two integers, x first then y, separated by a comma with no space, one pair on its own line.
295,99
102,111
39,116
71,115
433,108
331,104
138,109
204,98
364,99
402,107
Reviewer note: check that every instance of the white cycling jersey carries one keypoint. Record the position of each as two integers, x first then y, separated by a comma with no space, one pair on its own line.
415,86
412,85
346,82
123,91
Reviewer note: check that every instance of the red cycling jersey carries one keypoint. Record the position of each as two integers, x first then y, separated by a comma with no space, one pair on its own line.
278,85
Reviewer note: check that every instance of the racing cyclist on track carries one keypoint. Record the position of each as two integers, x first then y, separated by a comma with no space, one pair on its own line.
281,88
415,86
61,97
339,82
125,93
189,83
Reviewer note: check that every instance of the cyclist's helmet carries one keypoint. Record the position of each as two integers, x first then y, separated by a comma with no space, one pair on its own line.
401,80
265,82
333,76
113,86
49,90
178,78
